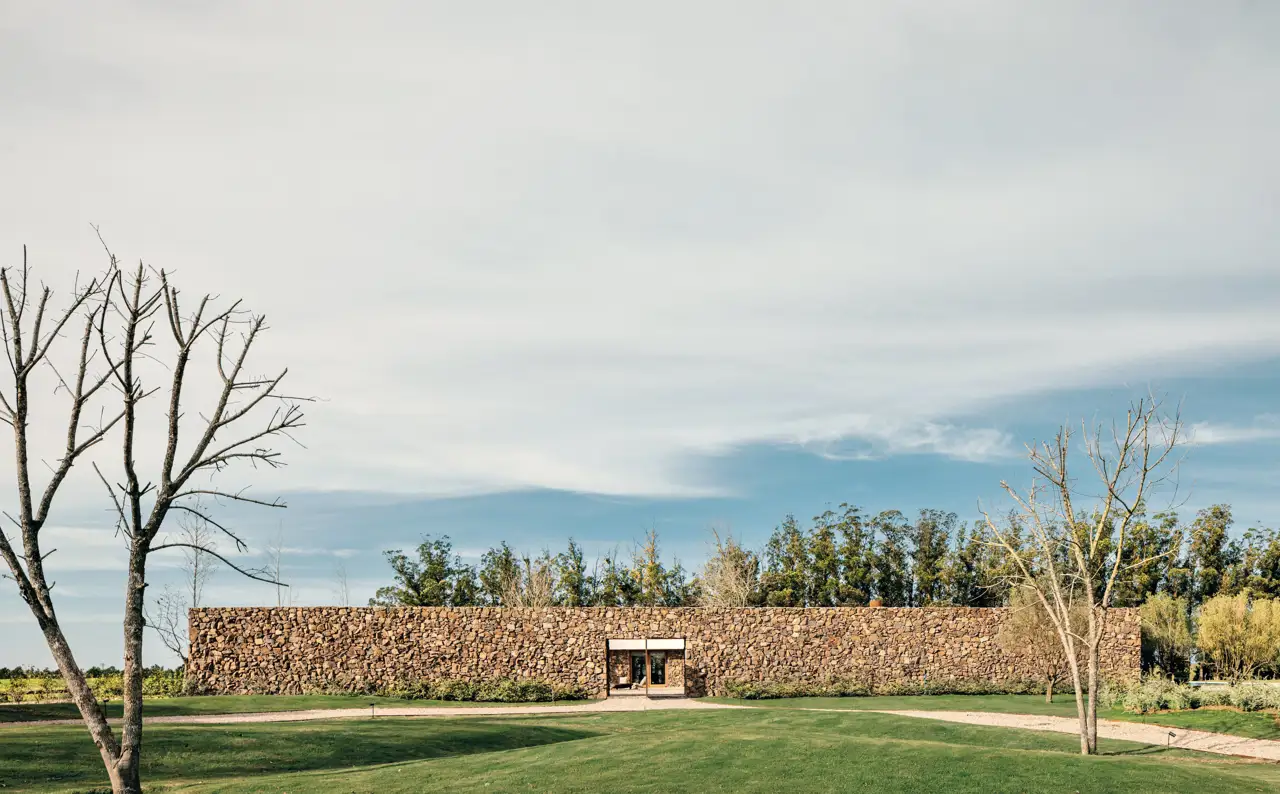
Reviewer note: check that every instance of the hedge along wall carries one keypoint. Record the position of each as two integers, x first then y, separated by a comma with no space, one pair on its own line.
292,650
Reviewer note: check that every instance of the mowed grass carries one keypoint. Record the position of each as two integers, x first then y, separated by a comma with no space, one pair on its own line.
747,750
1252,725
237,704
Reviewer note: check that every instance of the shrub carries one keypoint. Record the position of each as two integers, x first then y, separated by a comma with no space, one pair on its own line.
850,687
499,690
1212,696
1255,697
502,690
1157,694
1111,695
453,689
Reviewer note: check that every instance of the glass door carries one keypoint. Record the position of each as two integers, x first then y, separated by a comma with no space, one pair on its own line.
637,669
658,668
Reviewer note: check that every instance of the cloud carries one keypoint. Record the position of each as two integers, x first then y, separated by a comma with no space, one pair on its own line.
578,251
70,549
871,438
1265,427
315,551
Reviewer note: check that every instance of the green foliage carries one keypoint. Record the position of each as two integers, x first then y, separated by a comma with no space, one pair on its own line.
47,685
499,571
1157,694
163,683
107,687
1162,694
929,538
436,578
1240,635
1166,633
787,566
1153,547
1255,697
497,690
889,560
857,574
575,587
1210,554
851,687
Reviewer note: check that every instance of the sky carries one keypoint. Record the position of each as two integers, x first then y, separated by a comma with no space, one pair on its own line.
582,269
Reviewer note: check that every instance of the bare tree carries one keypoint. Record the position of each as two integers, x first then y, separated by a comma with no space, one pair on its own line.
168,619
1069,559
275,551
536,586
341,586
119,314
730,576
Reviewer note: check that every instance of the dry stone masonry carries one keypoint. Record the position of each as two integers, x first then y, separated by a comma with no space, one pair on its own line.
292,650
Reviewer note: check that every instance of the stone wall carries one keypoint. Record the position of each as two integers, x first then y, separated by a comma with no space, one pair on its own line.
300,649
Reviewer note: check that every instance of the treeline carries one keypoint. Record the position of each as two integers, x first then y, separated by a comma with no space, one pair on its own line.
438,577
842,557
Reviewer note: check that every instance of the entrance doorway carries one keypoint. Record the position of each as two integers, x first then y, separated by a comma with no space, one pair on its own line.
657,669
645,666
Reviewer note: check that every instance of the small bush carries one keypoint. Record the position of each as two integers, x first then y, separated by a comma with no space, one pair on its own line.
1212,696
1157,694
453,689
1255,697
850,687
1111,696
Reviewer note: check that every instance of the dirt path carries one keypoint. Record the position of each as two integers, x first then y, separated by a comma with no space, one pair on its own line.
608,705
1205,742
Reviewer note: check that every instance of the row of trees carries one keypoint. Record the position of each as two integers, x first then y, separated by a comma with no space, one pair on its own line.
438,577
844,557
1233,636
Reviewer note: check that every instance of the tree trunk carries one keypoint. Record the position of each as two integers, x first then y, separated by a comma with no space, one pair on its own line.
1093,691
128,777
1048,690
90,710
1080,706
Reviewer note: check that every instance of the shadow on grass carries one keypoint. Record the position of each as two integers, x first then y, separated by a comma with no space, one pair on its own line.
33,757
1151,749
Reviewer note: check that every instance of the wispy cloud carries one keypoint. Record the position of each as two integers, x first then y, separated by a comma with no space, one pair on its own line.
1265,427
868,438
594,264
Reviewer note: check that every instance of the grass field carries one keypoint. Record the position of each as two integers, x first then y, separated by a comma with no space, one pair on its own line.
749,750
236,704
1252,725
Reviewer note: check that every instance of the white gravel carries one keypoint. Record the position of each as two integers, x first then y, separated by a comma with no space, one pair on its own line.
1202,741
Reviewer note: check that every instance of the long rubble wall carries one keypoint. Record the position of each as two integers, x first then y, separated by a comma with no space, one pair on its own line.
293,650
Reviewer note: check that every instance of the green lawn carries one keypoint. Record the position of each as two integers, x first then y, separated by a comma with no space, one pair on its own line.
755,750
1253,725
236,704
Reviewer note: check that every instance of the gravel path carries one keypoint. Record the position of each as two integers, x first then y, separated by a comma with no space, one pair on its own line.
608,705
1205,742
